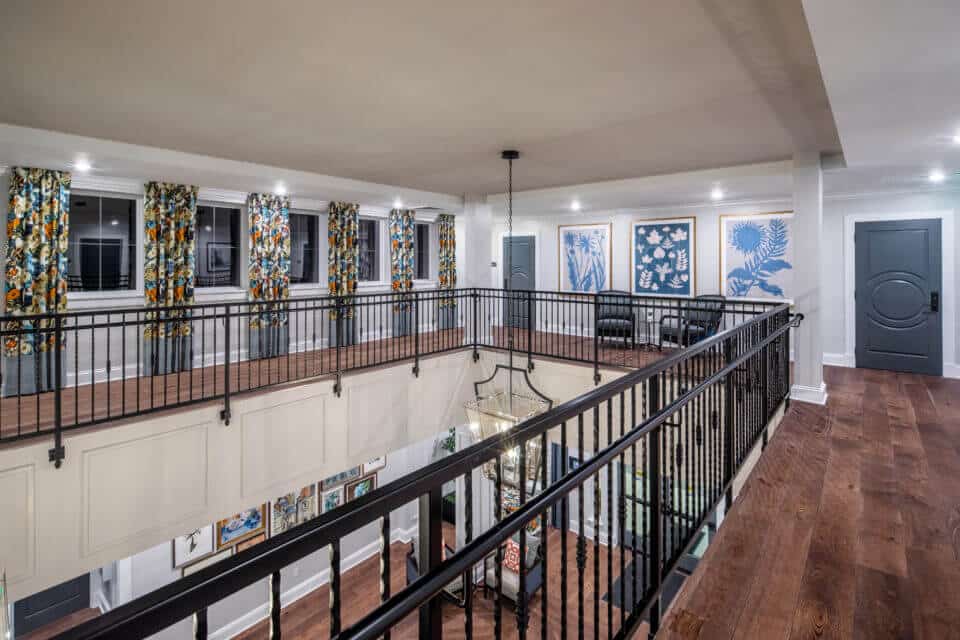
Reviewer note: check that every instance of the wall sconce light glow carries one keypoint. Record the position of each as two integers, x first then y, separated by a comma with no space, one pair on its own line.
956,139
280,189
937,176
114,222
398,203
575,205
716,194
82,165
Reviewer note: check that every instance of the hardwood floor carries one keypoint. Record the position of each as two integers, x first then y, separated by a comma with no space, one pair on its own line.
848,528
308,618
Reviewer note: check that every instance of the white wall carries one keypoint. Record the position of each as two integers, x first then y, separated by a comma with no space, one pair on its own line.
835,287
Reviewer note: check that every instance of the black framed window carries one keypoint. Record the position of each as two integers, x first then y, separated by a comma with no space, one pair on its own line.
421,252
218,247
102,252
303,248
369,250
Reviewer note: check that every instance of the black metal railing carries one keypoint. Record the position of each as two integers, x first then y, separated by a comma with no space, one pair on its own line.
657,451
65,371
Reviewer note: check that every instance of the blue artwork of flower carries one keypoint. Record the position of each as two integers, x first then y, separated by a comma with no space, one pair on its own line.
758,259
584,258
662,258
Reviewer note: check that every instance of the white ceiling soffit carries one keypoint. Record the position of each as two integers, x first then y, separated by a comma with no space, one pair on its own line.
20,146
424,93
892,72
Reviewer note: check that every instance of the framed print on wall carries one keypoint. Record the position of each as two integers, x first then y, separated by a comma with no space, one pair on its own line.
293,509
246,524
584,257
203,563
341,478
756,256
333,498
361,487
374,465
193,546
663,257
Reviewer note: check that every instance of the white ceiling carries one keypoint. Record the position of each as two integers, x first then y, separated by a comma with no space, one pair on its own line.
892,72
422,93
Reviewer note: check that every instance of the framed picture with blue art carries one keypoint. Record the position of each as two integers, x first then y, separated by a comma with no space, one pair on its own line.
663,257
756,256
585,260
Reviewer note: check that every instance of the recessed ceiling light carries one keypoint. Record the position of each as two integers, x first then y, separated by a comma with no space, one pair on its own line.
82,165
398,203
937,176
575,205
281,189
716,194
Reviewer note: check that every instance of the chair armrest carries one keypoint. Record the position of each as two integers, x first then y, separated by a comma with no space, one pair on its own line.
683,321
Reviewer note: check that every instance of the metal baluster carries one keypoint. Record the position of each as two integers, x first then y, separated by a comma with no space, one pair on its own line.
275,633
653,472
621,516
522,615
597,520
564,525
335,586
544,534
498,568
581,538
610,516
468,538
200,625
385,562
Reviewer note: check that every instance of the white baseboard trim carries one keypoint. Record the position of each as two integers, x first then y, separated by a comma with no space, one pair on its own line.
839,360
305,587
951,370
813,395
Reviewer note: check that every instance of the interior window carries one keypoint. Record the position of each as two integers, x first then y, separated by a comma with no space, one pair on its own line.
102,252
421,252
303,248
369,250
218,247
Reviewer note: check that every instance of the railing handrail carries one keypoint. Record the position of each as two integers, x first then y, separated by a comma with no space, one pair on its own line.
657,301
181,598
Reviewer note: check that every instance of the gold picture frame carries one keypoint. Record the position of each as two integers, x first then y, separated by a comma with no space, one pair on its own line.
608,282
721,233
631,253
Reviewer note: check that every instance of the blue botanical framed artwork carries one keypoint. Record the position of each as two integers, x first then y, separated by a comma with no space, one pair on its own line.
756,256
663,257
584,252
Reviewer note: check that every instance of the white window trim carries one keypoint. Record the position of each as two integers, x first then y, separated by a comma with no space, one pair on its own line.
244,241
80,300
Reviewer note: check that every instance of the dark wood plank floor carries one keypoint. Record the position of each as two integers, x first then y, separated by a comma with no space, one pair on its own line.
31,414
308,618
848,528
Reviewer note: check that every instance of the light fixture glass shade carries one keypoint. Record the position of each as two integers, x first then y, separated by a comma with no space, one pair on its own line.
499,412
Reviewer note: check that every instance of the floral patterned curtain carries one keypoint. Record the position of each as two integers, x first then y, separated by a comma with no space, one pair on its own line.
401,252
269,266
170,214
343,251
38,223
447,256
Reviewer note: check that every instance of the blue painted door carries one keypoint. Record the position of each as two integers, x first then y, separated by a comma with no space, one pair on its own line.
898,296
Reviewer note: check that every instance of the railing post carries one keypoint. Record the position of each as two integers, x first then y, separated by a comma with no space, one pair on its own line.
728,411
431,555
786,365
765,378
339,325
58,453
656,506
416,335
225,413
476,323
530,324
596,338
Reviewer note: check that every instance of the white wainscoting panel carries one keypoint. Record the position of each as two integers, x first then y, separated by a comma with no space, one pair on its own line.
18,530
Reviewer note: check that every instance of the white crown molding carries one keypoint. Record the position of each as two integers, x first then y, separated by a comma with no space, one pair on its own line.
860,195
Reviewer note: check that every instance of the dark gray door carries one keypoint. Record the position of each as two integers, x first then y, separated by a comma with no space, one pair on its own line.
49,606
898,296
523,277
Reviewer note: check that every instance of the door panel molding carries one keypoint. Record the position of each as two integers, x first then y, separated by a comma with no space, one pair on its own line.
948,308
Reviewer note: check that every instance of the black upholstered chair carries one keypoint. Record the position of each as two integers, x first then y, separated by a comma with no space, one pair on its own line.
615,316
699,319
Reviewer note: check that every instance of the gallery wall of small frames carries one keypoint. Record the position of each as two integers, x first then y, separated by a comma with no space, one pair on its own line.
211,543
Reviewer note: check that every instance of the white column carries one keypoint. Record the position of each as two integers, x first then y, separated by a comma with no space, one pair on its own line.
807,232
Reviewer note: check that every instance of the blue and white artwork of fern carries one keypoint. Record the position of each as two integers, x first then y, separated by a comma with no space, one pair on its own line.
585,258
758,256
663,257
